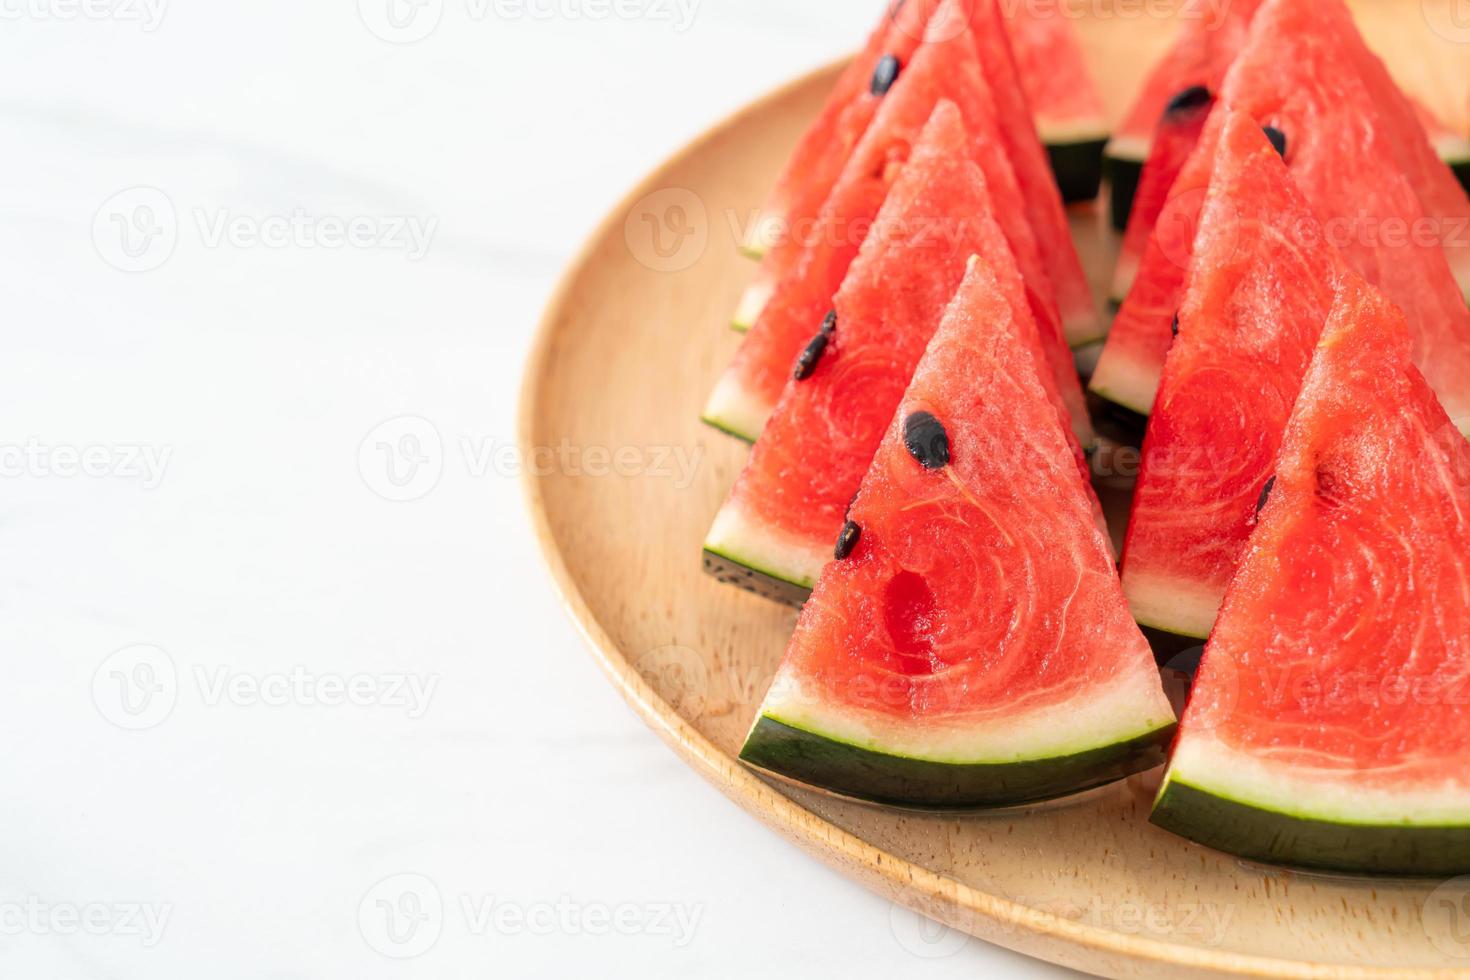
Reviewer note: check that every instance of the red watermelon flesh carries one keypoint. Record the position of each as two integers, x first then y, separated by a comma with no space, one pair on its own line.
823,149
1208,41
1302,73
1064,101
1259,291
1043,201
1175,139
790,500
1330,723
1068,110
944,68
973,647
1411,126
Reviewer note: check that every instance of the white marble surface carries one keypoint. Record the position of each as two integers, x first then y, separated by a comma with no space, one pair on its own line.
215,750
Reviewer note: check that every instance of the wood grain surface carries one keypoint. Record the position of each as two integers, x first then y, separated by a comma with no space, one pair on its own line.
627,480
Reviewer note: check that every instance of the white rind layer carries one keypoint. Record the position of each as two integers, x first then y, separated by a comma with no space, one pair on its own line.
1058,132
1125,147
1121,381
742,539
1171,604
1204,762
764,232
1124,275
732,408
1131,707
752,302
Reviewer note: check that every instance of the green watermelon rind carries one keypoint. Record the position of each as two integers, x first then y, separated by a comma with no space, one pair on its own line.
852,771
1123,161
728,570
1077,165
1283,837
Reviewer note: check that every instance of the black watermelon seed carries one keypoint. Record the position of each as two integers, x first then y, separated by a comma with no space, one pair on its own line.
1190,98
847,540
847,512
1175,327
1277,138
807,362
885,75
926,440
1265,495
829,323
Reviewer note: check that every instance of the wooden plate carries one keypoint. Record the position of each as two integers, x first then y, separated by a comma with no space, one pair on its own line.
624,483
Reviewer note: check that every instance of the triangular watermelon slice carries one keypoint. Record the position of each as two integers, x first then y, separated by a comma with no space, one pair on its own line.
1421,144
1329,725
1209,39
776,529
1177,135
970,647
823,149
1069,112
1041,201
946,67
1303,73
1260,288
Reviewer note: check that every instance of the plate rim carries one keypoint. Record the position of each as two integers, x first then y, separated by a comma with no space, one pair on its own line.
914,884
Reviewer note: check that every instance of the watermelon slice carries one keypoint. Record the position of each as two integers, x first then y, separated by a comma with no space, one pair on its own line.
1208,41
970,646
1304,73
1177,135
1065,103
776,530
1451,146
1040,198
1330,721
1420,142
823,149
944,68
1260,288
